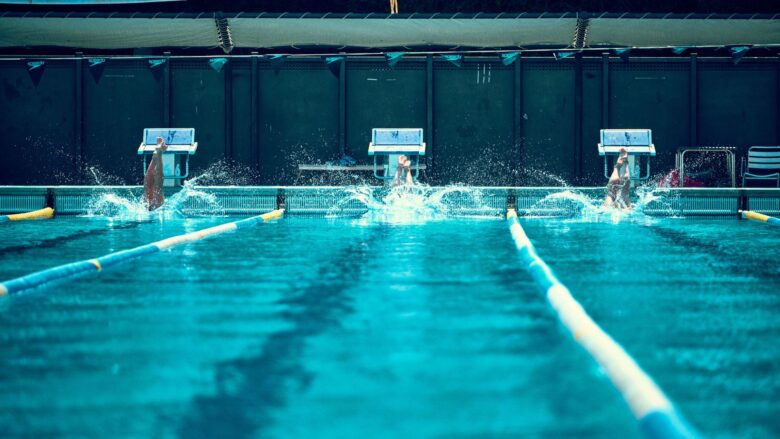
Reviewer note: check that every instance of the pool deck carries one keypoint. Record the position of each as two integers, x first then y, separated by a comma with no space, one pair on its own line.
319,200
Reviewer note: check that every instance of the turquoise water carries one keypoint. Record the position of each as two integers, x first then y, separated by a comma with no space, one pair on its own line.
341,327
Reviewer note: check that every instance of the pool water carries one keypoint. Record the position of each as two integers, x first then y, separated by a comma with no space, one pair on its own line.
313,327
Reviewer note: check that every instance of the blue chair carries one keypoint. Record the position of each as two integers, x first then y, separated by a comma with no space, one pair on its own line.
763,163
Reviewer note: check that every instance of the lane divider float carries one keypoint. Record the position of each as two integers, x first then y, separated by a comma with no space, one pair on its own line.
42,277
44,213
749,214
656,415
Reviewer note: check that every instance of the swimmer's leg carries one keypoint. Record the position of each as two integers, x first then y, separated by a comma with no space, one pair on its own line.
153,183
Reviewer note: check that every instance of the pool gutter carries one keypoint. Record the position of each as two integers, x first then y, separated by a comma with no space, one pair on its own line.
319,200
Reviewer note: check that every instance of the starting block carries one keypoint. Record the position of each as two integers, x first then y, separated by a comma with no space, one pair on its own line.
637,142
181,145
392,143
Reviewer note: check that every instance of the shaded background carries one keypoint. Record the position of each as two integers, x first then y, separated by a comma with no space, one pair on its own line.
532,123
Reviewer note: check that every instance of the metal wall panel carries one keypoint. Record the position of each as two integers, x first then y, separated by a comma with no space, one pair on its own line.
241,119
127,99
22,199
297,115
548,113
738,104
198,101
37,124
298,119
592,163
381,97
473,124
652,95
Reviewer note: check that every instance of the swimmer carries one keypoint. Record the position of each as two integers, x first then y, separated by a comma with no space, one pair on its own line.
403,173
619,183
153,180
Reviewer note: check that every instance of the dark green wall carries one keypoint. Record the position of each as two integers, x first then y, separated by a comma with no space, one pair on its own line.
298,119
472,119
116,109
37,125
380,97
529,123
198,100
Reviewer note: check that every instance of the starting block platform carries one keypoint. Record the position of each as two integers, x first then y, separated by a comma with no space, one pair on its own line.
638,143
391,143
181,145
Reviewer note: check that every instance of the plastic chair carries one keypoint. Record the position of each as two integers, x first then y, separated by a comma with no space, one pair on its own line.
763,163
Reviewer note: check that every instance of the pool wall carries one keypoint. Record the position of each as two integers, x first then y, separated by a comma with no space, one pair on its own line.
483,121
299,200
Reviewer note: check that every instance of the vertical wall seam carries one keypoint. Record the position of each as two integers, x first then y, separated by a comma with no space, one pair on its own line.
518,117
605,90
343,106
78,156
694,105
578,115
429,140
167,90
254,102
228,81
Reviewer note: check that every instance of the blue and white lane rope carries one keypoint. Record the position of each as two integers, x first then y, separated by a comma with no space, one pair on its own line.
656,415
748,214
77,268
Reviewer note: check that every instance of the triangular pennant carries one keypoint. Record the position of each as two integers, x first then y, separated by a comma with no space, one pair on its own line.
35,69
276,62
393,58
509,58
679,50
96,66
217,64
334,63
623,53
156,66
561,54
737,52
455,59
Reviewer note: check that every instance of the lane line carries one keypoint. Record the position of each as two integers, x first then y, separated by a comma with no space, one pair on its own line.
749,214
655,412
60,272
44,213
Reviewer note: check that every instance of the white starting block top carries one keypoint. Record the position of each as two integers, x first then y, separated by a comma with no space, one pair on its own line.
179,140
386,141
635,141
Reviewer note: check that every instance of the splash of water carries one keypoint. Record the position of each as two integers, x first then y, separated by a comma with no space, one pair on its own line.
413,204
103,178
126,206
117,206
191,200
578,206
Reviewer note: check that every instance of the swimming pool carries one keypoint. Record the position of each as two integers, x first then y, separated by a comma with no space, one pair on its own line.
334,327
